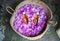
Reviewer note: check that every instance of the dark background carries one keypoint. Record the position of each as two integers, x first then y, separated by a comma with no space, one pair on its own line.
6,32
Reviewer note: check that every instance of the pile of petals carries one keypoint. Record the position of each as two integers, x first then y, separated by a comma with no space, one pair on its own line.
30,30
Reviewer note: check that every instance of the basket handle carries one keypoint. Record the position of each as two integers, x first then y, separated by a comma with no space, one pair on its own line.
9,10
53,23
